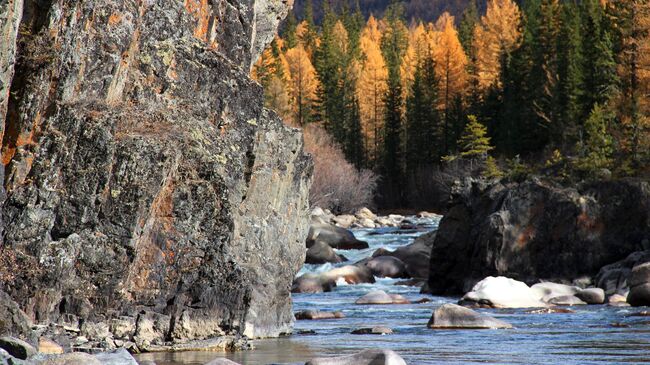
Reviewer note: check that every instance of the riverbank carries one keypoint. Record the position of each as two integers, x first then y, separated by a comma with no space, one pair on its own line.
588,334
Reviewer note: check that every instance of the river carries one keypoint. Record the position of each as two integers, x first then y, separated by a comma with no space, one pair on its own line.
595,334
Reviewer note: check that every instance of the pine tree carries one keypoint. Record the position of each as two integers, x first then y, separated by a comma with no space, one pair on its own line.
596,151
422,120
474,143
393,49
289,34
570,75
468,22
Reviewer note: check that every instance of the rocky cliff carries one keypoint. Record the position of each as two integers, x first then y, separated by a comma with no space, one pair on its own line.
144,181
537,230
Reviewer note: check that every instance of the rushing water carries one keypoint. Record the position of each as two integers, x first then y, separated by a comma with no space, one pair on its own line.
591,335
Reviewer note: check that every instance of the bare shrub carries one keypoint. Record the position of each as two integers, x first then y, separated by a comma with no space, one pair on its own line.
337,185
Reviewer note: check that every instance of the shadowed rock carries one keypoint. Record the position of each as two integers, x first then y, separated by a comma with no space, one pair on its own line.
367,357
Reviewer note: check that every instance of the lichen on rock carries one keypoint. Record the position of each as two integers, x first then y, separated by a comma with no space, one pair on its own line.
135,180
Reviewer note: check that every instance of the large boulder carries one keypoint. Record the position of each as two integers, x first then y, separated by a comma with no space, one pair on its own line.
321,253
335,237
416,255
367,357
142,170
613,278
502,292
452,316
17,347
387,267
640,285
536,230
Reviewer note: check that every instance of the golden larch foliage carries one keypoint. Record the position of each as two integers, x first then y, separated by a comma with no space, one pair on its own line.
451,60
304,83
498,32
371,87
418,48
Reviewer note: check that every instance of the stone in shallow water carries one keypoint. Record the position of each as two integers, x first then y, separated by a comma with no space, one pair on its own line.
222,361
367,357
453,316
381,297
502,292
377,330
566,300
313,315
592,295
387,267
640,286
549,311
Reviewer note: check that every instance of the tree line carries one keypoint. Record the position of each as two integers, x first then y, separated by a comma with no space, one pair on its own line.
562,86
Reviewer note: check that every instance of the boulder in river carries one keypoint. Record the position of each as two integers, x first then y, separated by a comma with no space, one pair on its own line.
536,229
345,220
367,357
640,285
415,256
335,237
566,300
222,361
591,295
452,316
502,292
321,253
312,283
315,315
387,267
548,290
614,278
381,297
377,330
350,274
365,213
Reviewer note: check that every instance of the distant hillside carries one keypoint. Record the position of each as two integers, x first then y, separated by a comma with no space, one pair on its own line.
427,10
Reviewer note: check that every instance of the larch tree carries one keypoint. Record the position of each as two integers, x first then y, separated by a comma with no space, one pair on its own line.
371,88
498,32
303,84
451,68
417,49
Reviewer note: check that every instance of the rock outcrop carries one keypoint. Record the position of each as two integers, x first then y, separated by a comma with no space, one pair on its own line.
143,174
537,230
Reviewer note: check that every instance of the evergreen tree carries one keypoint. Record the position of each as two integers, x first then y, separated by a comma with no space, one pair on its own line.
474,143
468,22
596,150
354,148
422,120
570,74
393,48
289,34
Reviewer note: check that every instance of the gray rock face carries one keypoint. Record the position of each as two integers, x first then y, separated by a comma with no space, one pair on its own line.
13,321
143,171
537,230
452,316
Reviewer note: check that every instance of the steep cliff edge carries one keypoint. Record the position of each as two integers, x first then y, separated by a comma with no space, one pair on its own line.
144,181
537,230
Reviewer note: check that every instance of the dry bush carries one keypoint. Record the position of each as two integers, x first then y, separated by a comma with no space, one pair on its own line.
337,185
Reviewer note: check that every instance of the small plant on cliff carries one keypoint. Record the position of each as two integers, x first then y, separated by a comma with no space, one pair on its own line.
492,170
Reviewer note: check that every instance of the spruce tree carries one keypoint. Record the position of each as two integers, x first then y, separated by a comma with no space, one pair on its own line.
468,22
474,143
